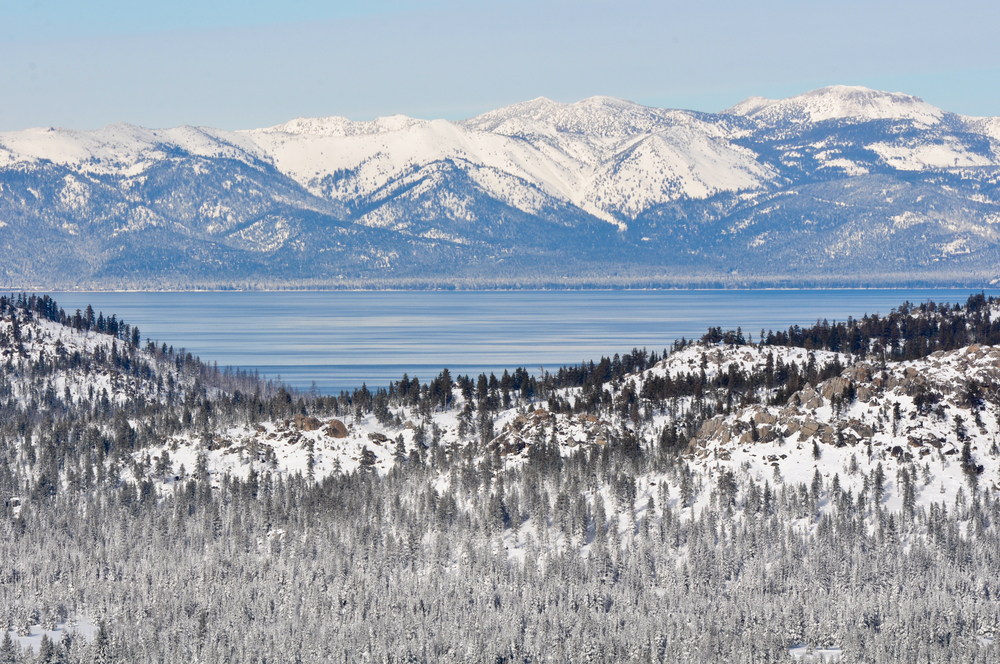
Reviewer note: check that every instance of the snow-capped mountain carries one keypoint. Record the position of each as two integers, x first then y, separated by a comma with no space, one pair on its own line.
610,158
807,189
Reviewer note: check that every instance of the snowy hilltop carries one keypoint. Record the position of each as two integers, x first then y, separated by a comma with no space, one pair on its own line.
823,492
807,190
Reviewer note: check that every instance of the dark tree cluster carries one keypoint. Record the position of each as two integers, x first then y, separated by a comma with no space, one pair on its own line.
909,332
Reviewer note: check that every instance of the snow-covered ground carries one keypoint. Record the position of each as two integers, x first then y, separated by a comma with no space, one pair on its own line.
78,627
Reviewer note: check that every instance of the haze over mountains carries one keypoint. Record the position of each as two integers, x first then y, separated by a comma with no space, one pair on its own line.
839,186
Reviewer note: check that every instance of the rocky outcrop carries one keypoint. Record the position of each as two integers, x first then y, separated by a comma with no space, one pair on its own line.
912,404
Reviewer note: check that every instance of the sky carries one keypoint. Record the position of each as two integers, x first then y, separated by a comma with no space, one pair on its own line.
240,65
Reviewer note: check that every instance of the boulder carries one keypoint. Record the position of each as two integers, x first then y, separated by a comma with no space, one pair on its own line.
336,429
764,417
835,387
808,429
858,373
814,402
710,427
809,398
306,423
377,437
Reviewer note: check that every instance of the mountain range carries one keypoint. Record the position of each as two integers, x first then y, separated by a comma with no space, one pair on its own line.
842,186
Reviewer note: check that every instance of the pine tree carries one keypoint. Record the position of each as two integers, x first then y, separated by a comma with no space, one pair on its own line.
47,652
9,652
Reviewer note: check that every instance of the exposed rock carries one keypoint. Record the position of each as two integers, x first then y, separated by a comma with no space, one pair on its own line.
711,427
808,429
764,417
336,429
859,373
860,428
306,423
809,398
835,387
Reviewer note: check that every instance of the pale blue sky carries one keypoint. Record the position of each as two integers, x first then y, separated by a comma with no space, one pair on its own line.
254,63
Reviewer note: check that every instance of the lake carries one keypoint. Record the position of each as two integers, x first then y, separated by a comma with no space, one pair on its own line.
340,339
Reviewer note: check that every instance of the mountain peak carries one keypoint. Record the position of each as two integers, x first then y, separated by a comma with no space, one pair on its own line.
600,116
340,126
838,102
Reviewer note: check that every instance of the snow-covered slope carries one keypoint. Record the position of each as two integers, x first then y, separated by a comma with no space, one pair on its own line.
915,415
122,148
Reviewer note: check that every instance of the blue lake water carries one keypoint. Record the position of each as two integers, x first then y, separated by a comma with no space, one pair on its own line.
340,339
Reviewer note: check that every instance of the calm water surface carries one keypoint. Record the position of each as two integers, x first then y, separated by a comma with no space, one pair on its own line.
340,339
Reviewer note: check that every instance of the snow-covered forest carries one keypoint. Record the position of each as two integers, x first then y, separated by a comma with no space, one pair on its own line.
815,493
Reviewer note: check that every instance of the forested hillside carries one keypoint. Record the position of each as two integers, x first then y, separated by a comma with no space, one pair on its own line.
829,491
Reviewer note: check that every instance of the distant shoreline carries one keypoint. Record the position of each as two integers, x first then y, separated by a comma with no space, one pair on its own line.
398,289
